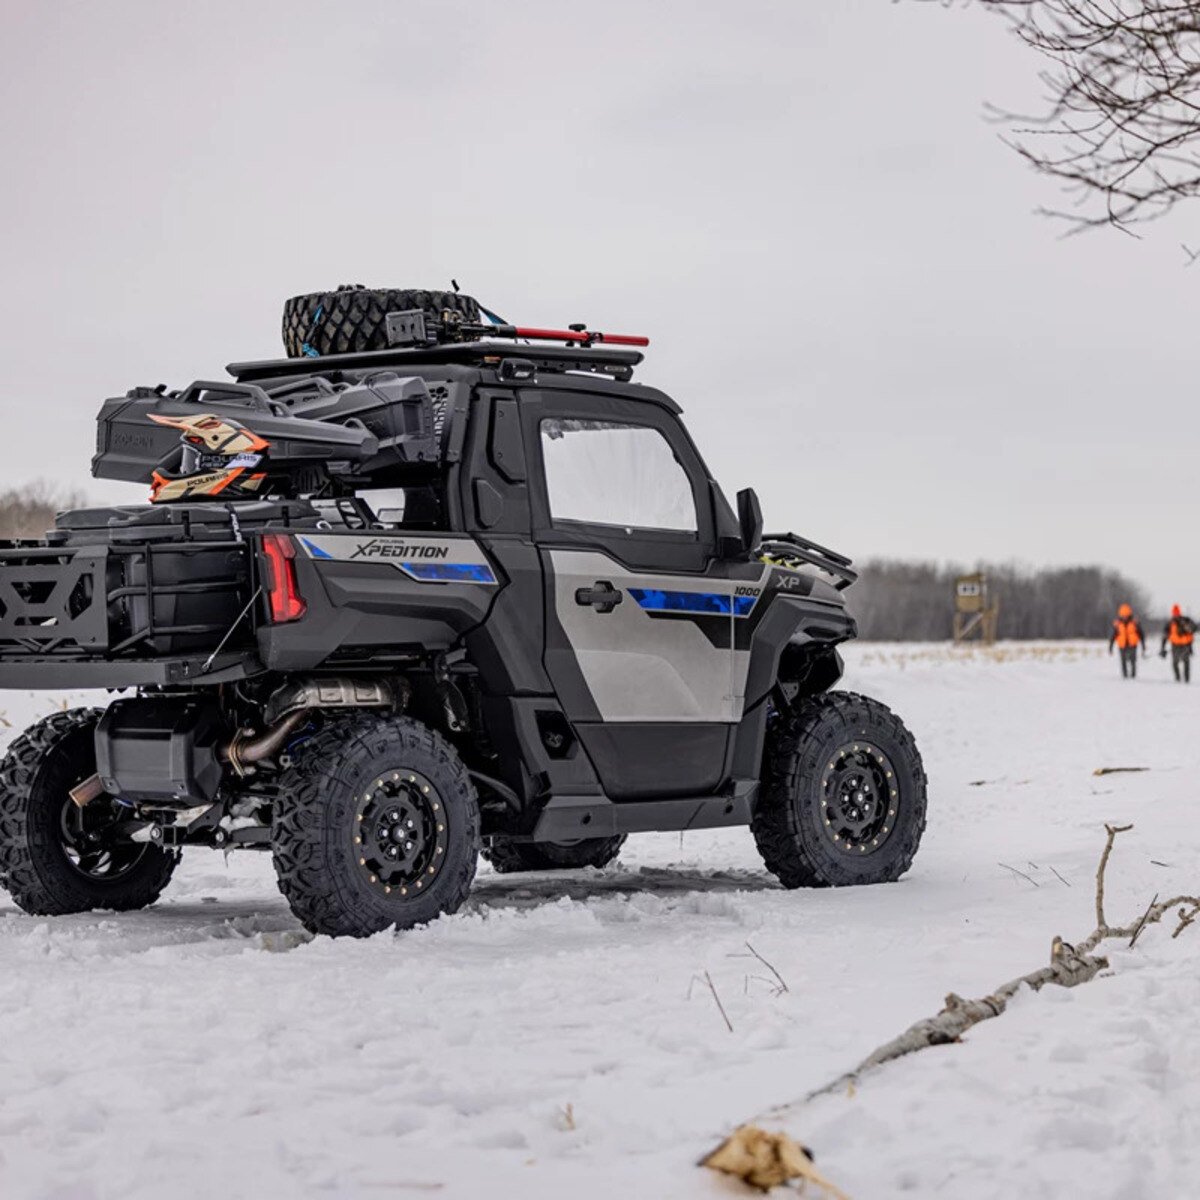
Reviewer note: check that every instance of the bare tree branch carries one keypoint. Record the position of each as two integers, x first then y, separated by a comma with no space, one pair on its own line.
1069,966
1120,125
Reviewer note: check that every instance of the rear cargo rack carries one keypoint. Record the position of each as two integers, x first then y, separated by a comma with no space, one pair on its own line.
70,602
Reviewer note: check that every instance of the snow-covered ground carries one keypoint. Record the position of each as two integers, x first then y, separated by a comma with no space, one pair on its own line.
551,1040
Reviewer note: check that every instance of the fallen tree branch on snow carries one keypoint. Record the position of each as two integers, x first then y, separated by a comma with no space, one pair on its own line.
764,1160
1069,966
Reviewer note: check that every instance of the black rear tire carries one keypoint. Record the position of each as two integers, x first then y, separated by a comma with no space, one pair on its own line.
844,794
54,857
376,827
508,857
353,319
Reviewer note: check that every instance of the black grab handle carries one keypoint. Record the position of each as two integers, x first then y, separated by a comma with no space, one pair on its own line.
602,596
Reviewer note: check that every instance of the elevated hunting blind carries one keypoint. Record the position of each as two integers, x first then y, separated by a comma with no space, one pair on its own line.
976,614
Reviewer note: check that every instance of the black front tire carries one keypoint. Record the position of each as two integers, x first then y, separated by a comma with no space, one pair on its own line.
344,855
55,858
508,857
843,794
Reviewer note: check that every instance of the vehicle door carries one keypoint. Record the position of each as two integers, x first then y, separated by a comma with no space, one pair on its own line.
639,640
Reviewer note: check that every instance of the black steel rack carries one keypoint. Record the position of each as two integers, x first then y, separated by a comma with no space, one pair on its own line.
597,360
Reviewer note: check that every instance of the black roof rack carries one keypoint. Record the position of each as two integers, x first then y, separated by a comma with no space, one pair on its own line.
615,364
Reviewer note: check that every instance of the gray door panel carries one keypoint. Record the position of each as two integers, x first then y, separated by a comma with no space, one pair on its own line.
664,653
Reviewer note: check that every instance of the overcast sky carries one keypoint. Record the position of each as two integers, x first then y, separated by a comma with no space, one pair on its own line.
802,204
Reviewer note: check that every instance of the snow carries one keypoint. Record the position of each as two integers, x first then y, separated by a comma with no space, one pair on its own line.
556,1037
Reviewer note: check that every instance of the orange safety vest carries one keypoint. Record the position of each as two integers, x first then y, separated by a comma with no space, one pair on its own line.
1126,632
1179,633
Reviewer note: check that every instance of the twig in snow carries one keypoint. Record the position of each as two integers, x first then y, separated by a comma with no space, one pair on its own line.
1186,917
1142,923
568,1117
1021,873
1060,877
1119,770
720,1006
783,987
1112,831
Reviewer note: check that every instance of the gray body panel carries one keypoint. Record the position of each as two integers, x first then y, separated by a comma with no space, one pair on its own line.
381,593
653,663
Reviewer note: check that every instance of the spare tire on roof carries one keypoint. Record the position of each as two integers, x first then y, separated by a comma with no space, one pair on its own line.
354,318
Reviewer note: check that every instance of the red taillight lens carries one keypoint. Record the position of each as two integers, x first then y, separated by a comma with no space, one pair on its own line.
283,592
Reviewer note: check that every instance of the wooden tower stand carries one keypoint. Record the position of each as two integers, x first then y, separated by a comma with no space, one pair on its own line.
976,615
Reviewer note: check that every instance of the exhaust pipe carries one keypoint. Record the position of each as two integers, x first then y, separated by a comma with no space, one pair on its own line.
245,749
82,794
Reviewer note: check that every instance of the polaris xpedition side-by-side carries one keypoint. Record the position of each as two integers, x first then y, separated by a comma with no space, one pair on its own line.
429,587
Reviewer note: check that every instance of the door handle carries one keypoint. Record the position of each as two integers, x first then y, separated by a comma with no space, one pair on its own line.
602,596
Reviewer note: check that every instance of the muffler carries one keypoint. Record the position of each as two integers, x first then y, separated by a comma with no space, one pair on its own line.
170,749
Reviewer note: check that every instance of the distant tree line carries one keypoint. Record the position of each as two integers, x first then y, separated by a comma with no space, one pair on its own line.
28,511
914,601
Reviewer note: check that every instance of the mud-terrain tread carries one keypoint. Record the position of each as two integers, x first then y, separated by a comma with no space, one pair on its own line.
508,857
353,318
29,866
322,779
791,755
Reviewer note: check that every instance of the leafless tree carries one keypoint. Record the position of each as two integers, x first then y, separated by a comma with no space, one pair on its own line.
29,510
1121,124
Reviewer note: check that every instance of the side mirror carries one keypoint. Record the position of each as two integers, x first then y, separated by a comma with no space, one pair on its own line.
750,519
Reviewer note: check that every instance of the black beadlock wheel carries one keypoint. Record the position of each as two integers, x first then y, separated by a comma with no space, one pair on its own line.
376,827
57,858
843,794
508,857
353,319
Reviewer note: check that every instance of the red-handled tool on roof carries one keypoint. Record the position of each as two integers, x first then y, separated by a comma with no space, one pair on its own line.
416,328
575,333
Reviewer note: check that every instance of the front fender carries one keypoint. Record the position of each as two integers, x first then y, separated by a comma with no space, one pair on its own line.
796,626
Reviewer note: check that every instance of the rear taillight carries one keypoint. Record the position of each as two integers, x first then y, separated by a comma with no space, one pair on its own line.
283,591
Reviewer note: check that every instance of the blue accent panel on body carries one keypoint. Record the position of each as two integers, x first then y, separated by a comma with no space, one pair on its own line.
435,572
654,600
315,550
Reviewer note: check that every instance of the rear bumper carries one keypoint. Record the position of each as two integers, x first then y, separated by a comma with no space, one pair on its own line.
46,671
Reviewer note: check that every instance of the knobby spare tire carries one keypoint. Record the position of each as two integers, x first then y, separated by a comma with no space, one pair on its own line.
353,318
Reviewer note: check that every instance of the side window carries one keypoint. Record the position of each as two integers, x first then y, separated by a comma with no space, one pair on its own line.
611,473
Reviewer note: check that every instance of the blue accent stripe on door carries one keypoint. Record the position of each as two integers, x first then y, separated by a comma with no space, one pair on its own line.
436,572
656,600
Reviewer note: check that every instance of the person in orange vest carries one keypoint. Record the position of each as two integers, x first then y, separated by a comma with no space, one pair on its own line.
1180,632
1127,636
